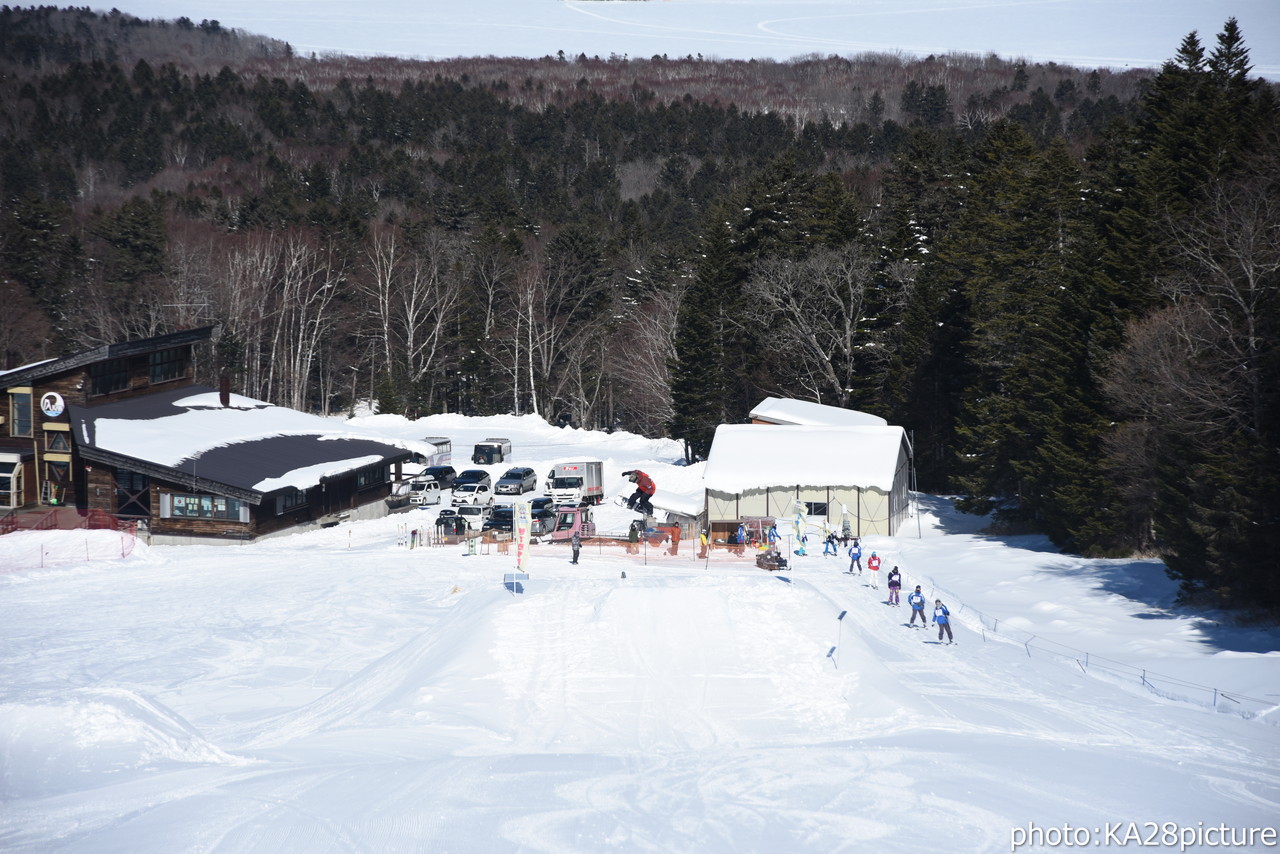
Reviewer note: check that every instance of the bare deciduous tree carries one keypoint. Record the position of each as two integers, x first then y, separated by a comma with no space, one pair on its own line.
411,292
815,311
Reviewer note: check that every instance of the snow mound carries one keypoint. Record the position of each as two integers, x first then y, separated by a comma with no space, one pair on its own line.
52,747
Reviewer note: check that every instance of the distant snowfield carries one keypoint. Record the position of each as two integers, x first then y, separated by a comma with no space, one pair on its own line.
1086,33
337,691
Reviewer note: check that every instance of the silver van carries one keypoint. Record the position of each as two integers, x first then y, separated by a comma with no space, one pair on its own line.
517,481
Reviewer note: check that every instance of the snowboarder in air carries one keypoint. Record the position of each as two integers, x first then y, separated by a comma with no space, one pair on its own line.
855,556
873,564
895,584
916,601
640,499
575,543
942,617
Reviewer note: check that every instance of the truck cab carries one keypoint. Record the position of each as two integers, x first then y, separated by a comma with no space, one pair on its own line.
576,483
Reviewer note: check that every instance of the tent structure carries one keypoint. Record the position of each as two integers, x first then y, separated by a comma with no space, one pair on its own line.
858,474
778,410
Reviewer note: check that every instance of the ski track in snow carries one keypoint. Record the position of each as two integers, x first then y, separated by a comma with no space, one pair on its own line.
331,691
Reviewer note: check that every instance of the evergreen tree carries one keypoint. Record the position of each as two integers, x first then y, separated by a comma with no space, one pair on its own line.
1029,428
701,379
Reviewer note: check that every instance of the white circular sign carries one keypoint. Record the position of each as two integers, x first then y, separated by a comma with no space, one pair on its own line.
52,404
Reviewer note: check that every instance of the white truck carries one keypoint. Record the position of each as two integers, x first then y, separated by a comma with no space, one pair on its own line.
576,483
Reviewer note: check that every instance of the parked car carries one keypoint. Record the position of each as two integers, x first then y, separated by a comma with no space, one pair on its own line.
542,521
501,519
545,502
475,515
472,493
424,491
517,481
473,476
447,520
443,475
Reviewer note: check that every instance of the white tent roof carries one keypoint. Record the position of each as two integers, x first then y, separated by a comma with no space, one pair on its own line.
749,456
787,411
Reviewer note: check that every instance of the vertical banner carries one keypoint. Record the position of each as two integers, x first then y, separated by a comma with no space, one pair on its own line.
522,518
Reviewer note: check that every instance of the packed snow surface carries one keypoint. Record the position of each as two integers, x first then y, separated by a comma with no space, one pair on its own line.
340,691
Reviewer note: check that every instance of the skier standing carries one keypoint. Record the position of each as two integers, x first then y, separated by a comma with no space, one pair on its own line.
916,601
855,557
829,545
895,584
873,564
575,543
942,617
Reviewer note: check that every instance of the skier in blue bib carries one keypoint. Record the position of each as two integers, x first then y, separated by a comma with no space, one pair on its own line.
942,617
855,556
916,601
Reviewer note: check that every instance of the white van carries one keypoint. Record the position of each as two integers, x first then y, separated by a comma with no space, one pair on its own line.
475,515
424,491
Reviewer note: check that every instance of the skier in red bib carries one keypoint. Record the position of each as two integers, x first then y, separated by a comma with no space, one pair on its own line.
873,564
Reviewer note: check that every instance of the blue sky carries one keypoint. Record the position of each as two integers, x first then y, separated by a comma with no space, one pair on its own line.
1088,33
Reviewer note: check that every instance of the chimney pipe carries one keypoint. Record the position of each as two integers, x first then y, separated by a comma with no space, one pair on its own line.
224,391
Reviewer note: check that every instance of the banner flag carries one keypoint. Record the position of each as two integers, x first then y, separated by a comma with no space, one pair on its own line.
523,517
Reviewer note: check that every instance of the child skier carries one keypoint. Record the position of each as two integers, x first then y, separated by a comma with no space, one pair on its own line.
855,557
873,564
895,584
916,601
942,617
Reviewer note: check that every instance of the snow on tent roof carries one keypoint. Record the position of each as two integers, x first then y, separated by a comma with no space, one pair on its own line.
787,411
749,456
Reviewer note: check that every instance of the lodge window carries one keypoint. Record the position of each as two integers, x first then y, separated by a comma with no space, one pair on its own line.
204,507
166,365
57,441
10,484
815,508
20,413
287,501
111,375
133,493
57,478
373,476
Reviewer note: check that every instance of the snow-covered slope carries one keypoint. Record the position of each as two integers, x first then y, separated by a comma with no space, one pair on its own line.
337,691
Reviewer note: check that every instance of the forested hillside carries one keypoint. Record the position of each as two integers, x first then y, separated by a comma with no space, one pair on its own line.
1062,281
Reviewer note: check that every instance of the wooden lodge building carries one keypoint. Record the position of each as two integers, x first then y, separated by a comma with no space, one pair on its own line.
124,429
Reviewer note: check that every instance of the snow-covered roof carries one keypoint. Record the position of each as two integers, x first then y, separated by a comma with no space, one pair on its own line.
778,410
248,444
749,456
25,367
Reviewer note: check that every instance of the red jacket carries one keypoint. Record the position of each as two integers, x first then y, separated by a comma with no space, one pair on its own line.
873,563
644,483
